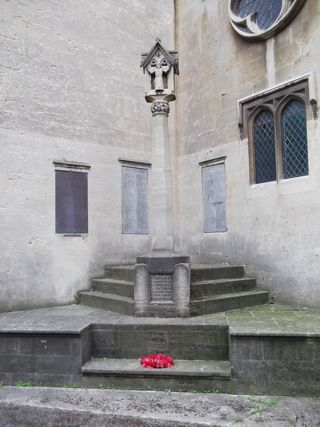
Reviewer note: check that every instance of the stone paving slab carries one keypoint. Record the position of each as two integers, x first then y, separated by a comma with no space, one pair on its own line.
267,319
29,407
274,319
74,318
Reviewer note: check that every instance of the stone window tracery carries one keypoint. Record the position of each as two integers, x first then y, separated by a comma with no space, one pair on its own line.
261,19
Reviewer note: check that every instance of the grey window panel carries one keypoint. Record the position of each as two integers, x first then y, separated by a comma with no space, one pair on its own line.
134,200
71,202
214,206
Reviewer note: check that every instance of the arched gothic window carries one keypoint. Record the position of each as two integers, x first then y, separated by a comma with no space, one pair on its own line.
275,123
294,139
264,147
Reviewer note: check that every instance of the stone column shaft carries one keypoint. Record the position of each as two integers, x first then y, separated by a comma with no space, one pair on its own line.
162,209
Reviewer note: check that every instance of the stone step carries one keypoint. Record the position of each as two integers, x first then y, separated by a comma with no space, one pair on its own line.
198,272
208,288
105,301
120,272
185,375
114,286
216,272
227,302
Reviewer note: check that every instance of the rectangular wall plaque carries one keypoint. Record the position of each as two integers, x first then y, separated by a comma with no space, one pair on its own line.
71,202
134,200
161,287
213,191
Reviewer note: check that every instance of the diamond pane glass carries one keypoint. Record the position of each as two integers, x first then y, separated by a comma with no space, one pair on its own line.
267,11
294,140
264,147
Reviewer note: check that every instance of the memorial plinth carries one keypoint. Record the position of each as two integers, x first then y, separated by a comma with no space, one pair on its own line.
162,286
162,279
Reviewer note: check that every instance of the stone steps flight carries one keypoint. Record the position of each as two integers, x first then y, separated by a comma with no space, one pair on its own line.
214,288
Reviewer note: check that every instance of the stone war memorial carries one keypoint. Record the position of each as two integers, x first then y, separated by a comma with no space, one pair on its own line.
161,195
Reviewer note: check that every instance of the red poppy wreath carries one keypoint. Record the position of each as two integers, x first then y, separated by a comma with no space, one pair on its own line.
157,361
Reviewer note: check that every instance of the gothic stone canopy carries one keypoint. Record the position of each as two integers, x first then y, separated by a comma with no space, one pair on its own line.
160,66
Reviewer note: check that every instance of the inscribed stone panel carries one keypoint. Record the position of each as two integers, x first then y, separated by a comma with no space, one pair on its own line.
161,287
213,190
134,200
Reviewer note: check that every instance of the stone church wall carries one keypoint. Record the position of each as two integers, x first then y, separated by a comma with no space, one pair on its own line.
273,227
70,88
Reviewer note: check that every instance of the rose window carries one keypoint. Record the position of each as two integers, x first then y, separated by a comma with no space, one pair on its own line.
261,19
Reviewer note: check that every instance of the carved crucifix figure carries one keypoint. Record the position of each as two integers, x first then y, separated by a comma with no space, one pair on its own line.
158,67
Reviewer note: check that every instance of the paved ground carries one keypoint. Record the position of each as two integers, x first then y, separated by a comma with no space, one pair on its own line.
55,407
275,319
74,318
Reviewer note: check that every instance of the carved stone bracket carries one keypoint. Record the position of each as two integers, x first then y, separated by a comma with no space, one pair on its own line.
160,107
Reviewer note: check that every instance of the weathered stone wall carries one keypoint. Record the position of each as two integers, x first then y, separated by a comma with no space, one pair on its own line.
70,88
272,227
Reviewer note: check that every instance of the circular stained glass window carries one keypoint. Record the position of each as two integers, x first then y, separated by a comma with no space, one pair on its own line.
261,19
267,11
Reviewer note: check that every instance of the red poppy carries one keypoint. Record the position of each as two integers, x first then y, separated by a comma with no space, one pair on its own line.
157,361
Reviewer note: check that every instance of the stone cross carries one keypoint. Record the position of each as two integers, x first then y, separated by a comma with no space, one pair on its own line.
158,67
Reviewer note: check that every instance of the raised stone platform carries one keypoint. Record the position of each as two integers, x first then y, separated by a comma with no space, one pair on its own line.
267,349
162,286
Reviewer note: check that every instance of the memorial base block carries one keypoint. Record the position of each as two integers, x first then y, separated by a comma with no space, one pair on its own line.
162,286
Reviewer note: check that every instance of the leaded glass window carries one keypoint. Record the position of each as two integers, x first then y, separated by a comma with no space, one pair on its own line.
267,11
264,147
275,123
294,140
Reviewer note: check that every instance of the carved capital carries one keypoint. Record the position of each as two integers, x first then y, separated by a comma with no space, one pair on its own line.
160,107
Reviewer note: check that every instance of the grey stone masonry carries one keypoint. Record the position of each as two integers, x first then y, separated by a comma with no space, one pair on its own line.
267,349
168,286
162,286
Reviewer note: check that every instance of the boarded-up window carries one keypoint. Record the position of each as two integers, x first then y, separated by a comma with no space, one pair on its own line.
213,190
71,202
134,200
